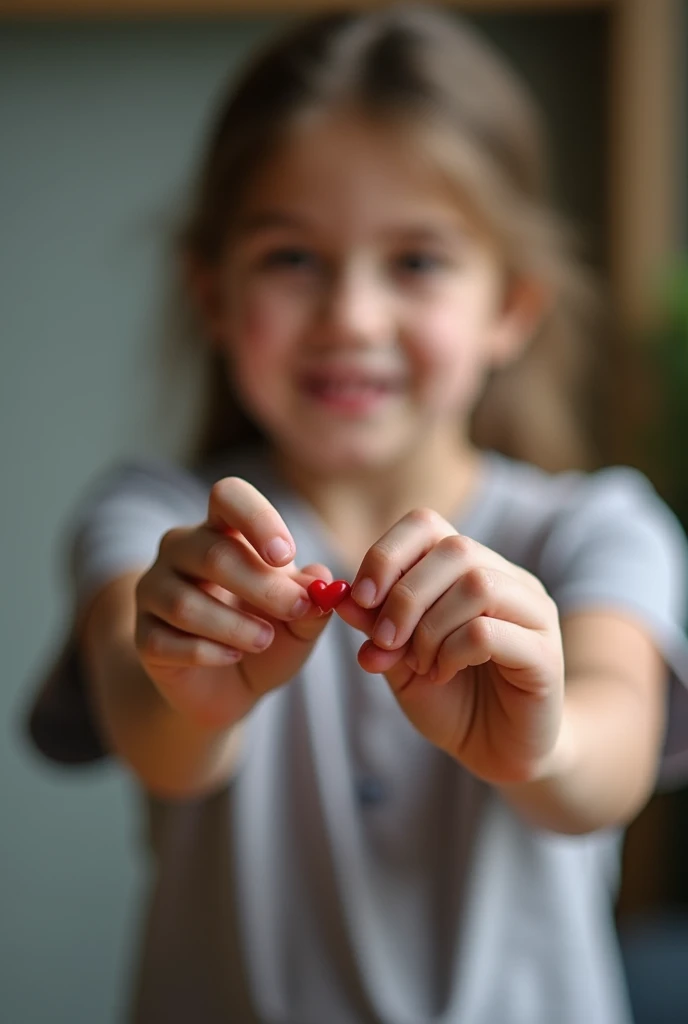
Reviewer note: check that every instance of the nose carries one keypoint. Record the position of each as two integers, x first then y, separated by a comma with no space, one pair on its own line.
355,309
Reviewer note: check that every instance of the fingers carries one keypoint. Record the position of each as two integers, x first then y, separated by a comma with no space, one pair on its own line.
394,554
373,659
518,652
189,609
418,589
159,644
480,591
466,578
417,534
184,624
203,554
423,581
235,504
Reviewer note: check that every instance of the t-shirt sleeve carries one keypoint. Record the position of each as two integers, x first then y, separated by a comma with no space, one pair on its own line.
616,544
116,528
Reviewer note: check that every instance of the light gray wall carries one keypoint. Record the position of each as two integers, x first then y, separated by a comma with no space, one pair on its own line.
98,124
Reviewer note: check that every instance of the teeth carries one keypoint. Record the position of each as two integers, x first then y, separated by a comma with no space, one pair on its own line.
348,387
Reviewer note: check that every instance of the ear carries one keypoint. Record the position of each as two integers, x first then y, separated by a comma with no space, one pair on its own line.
204,285
525,305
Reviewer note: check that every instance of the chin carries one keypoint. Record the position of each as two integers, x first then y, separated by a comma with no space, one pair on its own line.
344,459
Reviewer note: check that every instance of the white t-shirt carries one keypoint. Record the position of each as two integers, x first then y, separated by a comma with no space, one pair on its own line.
351,872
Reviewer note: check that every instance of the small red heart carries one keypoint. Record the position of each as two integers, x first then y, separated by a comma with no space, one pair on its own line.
328,595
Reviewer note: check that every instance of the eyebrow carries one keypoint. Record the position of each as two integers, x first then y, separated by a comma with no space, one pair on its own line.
269,220
264,221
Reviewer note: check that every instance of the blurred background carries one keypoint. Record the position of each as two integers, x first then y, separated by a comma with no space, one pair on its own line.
100,119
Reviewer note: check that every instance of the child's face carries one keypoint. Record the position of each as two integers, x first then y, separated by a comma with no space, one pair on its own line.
359,309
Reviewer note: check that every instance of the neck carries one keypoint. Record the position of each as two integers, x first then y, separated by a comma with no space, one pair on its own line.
358,507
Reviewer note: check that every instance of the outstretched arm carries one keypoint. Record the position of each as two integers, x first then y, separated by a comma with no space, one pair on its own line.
604,766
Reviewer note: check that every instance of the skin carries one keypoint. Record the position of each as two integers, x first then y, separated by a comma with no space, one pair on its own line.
353,261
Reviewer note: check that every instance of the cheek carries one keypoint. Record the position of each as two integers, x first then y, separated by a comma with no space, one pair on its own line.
262,340
451,348
259,323
443,344
261,332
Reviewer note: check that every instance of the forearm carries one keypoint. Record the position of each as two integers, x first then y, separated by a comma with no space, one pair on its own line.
171,755
603,768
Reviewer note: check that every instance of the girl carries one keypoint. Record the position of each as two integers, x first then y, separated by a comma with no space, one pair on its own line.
408,809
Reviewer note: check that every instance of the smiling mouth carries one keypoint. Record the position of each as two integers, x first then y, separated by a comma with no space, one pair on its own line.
349,394
350,387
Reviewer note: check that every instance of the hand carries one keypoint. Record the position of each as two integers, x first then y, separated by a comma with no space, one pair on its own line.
469,643
223,616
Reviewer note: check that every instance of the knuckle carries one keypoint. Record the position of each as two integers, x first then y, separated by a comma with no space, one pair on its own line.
404,596
536,582
241,635
180,605
455,546
426,637
216,558
479,632
197,651
151,641
275,592
382,556
478,583
239,631
423,516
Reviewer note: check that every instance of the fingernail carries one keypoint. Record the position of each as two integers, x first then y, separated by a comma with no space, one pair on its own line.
300,607
364,592
385,633
264,638
277,549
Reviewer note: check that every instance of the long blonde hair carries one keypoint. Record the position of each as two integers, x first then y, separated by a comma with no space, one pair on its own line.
430,73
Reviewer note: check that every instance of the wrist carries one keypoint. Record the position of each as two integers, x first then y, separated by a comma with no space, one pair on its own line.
561,760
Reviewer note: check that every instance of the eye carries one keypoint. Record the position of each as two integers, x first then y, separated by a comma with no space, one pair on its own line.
289,258
419,262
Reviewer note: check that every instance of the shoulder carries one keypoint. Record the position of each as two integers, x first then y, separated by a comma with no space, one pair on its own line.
160,484
145,479
119,519
604,535
536,493
582,501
